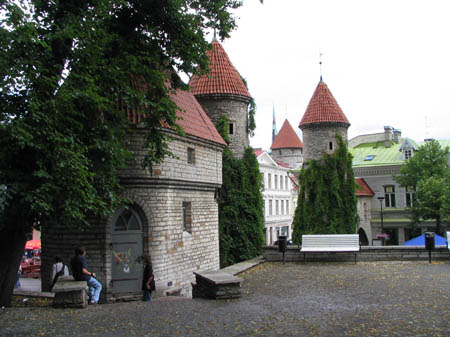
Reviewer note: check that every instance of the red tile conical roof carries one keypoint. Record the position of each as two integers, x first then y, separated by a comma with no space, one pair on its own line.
223,77
323,108
286,138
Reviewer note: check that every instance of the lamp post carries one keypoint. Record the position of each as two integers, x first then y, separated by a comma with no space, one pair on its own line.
381,210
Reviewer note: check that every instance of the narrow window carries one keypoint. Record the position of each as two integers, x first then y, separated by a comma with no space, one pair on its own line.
281,182
270,207
287,207
282,207
280,152
190,155
269,180
330,145
231,128
409,194
277,210
389,196
263,181
187,216
286,186
275,179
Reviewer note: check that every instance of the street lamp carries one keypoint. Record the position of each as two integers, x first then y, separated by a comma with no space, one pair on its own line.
381,210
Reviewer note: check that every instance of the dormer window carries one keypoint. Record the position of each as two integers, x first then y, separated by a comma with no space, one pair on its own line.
369,157
407,154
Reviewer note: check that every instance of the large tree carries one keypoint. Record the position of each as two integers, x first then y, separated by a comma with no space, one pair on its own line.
70,70
327,201
427,174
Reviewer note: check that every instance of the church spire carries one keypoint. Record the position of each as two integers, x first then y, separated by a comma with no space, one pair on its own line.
274,125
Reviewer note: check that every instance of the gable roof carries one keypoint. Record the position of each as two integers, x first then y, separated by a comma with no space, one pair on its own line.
323,108
223,77
286,138
362,188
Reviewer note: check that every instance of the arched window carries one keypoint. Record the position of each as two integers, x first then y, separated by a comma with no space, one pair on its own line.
128,220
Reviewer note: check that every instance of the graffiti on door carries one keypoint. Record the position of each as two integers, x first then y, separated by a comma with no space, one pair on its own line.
126,260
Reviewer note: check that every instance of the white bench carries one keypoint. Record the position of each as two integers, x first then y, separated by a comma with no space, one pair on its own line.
330,243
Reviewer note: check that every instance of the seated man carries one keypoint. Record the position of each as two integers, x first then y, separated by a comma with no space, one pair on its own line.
80,273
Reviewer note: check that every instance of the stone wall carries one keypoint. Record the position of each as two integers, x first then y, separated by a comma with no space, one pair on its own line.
386,253
291,156
236,109
317,139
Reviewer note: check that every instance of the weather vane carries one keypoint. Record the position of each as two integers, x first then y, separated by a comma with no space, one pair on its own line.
320,64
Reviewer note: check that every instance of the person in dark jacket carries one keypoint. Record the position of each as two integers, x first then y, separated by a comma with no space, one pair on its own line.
148,280
80,273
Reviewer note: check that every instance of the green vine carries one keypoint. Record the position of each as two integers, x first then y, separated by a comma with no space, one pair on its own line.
327,200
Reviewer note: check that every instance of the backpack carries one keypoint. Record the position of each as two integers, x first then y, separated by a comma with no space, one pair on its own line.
58,274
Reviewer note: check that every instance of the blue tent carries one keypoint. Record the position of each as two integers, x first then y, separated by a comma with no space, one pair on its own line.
420,241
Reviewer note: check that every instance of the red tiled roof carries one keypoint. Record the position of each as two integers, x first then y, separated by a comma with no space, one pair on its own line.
258,152
223,77
323,108
362,188
194,120
286,138
280,163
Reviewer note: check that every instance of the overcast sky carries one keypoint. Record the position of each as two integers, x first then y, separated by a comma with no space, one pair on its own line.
385,61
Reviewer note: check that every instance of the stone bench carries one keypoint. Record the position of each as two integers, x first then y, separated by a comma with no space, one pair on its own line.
70,293
330,243
216,285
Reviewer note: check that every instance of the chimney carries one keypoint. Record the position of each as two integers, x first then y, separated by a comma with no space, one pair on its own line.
387,136
397,135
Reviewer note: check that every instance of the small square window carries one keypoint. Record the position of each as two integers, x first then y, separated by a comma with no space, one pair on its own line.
190,155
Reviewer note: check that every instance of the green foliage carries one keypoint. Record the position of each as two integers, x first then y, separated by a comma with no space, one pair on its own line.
69,70
327,200
241,219
427,173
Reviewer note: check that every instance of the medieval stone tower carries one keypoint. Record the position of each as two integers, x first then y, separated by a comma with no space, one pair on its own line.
223,93
287,147
323,119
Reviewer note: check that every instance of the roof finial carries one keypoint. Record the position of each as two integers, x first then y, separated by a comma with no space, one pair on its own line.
320,64
214,37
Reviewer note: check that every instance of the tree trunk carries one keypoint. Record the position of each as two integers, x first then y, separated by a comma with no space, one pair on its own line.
12,247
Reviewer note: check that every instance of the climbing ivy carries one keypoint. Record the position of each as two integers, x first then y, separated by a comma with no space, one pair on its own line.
327,200
241,218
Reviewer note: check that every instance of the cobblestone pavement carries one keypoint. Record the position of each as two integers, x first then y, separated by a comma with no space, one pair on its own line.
316,299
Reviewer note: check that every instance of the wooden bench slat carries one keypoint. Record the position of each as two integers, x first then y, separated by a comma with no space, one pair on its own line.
330,243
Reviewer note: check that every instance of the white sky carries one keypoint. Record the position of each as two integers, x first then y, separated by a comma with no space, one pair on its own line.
385,61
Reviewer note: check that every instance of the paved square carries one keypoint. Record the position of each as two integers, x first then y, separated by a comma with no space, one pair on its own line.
316,299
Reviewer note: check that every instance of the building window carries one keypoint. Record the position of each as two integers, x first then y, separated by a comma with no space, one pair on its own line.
369,157
330,145
286,186
287,207
270,207
231,128
187,216
407,154
275,180
282,207
190,155
128,220
281,182
269,180
409,196
389,196
264,207
277,210
280,152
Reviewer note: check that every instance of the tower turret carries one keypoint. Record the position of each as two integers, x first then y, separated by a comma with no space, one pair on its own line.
323,119
223,93
287,147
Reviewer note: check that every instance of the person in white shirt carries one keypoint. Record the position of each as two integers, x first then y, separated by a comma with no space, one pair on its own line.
58,269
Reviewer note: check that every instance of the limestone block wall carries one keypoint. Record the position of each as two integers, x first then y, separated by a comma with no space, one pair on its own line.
317,139
236,109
